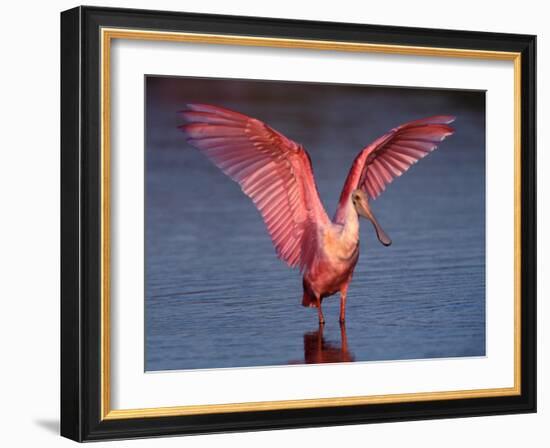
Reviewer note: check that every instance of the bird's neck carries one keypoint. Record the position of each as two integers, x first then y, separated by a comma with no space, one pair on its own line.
350,222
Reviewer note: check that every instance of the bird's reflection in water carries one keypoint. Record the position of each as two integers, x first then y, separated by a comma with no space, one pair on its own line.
318,350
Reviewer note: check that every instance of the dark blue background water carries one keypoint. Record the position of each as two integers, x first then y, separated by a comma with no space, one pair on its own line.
216,295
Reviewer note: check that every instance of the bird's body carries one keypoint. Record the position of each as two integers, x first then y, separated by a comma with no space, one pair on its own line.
276,173
332,266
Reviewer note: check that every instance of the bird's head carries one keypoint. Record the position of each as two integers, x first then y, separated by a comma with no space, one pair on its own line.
362,207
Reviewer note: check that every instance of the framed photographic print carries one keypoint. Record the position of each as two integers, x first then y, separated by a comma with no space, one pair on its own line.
275,224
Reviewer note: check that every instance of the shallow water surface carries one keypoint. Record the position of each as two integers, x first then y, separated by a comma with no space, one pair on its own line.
217,296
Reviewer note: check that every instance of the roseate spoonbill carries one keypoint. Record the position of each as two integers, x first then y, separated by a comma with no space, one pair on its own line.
276,173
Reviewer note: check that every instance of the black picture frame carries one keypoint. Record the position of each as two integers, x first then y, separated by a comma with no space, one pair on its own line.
81,224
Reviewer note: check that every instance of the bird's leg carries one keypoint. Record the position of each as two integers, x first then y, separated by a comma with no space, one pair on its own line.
319,310
343,295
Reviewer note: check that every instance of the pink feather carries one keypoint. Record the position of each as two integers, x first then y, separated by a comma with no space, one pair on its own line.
272,170
391,155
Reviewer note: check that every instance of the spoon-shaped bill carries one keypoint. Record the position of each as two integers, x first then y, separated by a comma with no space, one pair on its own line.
362,206
382,236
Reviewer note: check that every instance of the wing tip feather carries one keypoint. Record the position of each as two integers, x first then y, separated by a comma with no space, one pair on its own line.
435,129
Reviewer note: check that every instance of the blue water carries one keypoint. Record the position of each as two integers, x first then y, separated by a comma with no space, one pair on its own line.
216,295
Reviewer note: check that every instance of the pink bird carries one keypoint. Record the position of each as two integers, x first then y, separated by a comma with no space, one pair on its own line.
276,173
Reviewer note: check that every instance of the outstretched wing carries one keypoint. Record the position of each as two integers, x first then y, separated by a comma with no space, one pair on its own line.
272,170
391,155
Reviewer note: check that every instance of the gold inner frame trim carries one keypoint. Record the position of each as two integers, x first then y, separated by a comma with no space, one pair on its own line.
107,35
